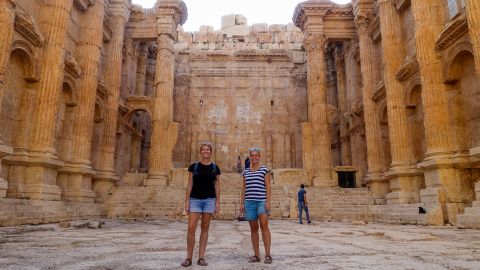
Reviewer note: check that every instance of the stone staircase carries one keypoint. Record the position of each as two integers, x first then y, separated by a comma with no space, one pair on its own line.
471,217
231,188
399,214
339,204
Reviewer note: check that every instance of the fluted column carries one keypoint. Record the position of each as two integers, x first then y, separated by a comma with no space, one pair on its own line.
473,17
377,185
170,13
443,181
404,179
141,70
317,110
105,178
76,176
7,17
40,182
345,148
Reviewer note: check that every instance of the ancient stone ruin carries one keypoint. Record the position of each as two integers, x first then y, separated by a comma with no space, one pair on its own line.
375,105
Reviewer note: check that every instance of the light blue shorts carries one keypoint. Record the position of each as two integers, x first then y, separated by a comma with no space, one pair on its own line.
253,209
202,205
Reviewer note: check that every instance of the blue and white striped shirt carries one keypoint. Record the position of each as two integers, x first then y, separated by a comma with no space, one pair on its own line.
255,184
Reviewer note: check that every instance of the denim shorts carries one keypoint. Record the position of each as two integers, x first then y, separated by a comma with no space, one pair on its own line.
202,205
253,209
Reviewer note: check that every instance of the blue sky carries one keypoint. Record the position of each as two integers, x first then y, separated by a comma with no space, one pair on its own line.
209,12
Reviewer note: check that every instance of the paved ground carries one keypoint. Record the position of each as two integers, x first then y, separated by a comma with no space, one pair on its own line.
161,245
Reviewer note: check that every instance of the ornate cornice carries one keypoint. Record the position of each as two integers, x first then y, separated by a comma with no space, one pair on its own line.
310,8
71,66
26,26
453,31
82,5
170,13
407,69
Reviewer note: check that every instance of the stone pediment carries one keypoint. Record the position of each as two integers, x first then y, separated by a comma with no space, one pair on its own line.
102,90
452,32
375,32
82,4
407,69
26,26
72,66
379,93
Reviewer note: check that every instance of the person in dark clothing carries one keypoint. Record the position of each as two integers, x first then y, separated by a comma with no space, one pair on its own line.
202,200
247,163
303,204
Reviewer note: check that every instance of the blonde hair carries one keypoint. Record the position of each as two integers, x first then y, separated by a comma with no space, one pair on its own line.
209,145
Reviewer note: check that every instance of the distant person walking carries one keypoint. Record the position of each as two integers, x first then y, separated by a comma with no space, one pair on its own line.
303,204
255,201
202,200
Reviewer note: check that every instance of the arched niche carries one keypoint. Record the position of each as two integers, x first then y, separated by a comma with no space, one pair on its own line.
385,136
416,117
30,60
463,93
65,116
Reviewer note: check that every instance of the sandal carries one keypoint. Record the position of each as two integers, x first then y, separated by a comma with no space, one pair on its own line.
254,259
268,260
202,262
187,263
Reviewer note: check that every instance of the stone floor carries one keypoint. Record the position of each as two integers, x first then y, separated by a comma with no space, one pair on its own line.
160,245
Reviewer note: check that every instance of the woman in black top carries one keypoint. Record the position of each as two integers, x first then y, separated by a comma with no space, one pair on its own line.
202,200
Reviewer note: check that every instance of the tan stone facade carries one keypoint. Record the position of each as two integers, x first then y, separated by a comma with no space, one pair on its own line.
375,105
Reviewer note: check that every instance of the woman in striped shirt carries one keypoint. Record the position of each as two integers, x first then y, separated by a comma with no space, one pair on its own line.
255,201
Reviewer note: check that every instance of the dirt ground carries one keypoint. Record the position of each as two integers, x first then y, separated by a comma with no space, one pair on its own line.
160,244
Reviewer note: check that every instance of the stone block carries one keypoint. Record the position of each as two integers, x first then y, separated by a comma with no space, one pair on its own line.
228,20
277,28
282,37
259,27
297,37
265,37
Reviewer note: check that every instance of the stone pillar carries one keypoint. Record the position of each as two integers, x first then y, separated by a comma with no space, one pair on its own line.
164,130
317,111
141,70
41,174
473,16
75,178
106,177
345,148
7,18
405,182
375,181
443,182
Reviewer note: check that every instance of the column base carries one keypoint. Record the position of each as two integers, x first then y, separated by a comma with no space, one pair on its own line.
75,180
102,184
405,183
4,151
156,179
379,187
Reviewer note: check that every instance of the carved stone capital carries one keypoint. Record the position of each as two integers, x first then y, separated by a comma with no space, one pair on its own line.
363,22
170,13
314,41
26,26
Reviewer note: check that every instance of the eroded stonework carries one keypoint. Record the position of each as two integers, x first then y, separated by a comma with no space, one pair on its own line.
374,105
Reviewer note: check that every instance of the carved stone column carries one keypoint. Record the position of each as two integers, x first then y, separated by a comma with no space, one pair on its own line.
41,174
342,105
473,16
443,181
317,111
164,131
141,70
7,17
404,178
75,178
377,184
106,177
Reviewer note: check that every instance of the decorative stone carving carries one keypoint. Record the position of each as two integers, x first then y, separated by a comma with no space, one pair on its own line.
31,73
102,90
300,80
407,69
107,29
375,32
182,80
379,93
313,41
83,4
356,106
452,32
402,4
26,26
72,66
